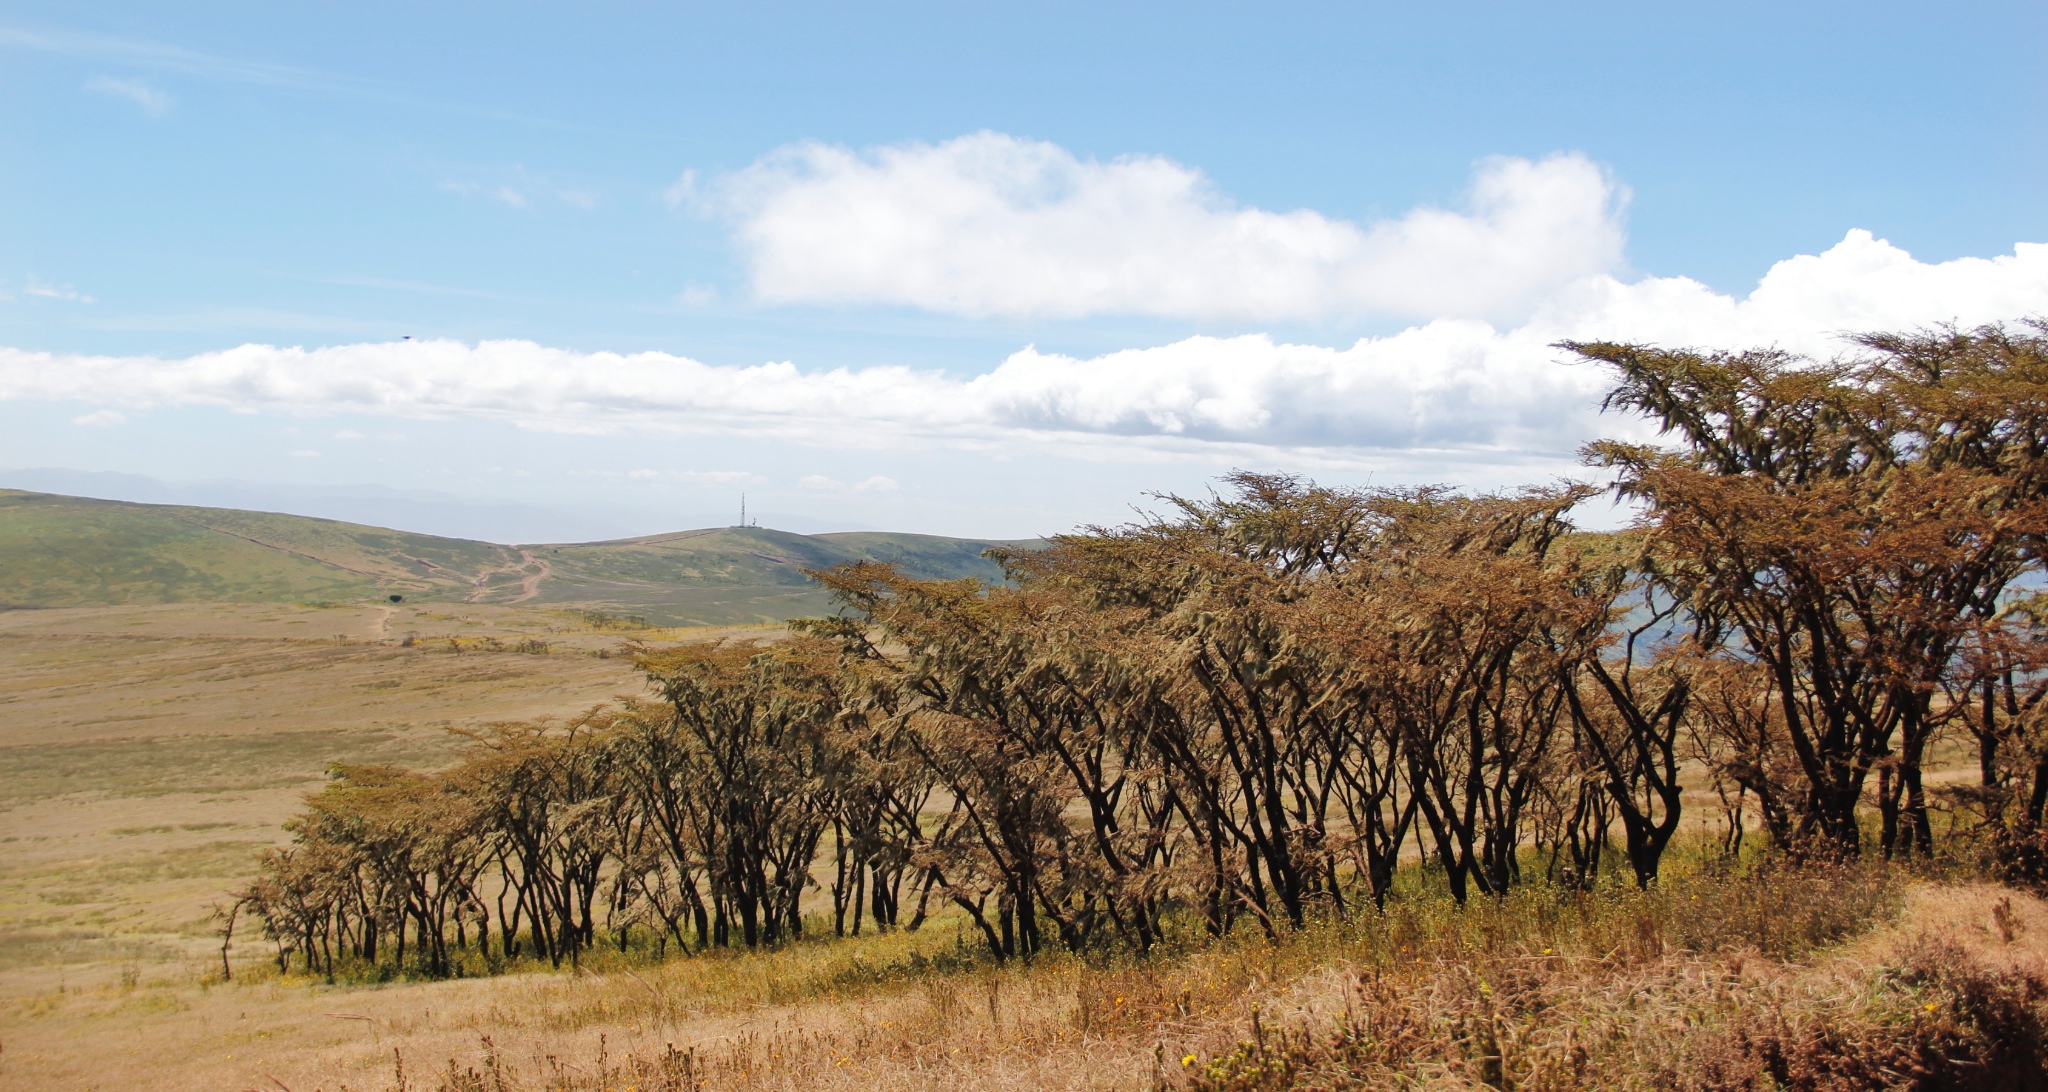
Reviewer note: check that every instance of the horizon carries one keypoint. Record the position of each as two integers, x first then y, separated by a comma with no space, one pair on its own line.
980,274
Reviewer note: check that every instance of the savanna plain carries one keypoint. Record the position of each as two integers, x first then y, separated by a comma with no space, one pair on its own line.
1286,787
154,751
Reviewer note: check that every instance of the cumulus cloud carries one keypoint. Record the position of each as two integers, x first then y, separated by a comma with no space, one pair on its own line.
153,102
993,225
1457,388
105,418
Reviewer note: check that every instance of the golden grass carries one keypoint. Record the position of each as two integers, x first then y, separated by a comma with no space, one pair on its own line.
150,751
1623,976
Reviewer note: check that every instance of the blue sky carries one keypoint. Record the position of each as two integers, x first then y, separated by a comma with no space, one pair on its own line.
1058,256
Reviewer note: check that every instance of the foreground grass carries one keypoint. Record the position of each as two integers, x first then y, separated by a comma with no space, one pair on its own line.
1768,978
1711,983
1762,978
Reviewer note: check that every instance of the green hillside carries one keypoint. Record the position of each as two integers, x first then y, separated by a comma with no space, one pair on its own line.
70,551
731,574
58,551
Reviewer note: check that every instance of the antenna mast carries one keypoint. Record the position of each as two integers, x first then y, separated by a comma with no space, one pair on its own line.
743,509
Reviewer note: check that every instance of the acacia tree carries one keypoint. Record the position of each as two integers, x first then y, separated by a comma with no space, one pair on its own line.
1246,707
1630,702
1231,717
997,703
762,767
1855,522
1471,625
545,793
2000,698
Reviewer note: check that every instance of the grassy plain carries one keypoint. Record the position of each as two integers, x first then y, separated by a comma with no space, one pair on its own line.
150,750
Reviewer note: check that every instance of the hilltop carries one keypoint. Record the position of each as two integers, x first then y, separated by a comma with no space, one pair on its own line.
62,551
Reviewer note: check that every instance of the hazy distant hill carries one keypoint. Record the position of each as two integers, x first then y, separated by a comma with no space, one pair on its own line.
69,551
420,511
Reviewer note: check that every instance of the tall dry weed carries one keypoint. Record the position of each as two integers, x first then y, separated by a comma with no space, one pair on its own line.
1718,980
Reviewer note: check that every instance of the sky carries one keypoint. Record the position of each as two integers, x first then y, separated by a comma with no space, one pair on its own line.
989,270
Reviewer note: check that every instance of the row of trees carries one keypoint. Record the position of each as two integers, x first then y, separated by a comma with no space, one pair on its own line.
1257,706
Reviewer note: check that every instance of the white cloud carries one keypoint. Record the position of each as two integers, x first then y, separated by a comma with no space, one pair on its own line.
153,102
304,453
66,293
717,477
505,194
819,483
694,477
990,224
348,434
1453,389
683,192
105,418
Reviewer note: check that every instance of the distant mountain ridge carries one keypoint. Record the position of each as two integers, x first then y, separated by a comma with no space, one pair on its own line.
58,551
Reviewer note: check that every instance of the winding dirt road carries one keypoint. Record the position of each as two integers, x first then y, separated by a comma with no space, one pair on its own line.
532,571
530,586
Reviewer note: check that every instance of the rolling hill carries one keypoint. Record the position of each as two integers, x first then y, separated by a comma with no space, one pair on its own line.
59,551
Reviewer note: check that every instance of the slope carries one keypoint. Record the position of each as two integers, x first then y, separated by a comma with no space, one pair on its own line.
726,575
58,551
72,551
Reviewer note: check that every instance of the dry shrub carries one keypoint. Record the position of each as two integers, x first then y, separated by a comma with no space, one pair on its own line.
1942,1022
1543,989
1930,1019
670,1071
1718,1007
1779,909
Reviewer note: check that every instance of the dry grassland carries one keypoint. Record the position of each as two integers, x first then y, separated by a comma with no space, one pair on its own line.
1574,1000
150,751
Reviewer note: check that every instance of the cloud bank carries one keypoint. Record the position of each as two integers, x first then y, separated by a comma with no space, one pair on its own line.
993,225
1457,388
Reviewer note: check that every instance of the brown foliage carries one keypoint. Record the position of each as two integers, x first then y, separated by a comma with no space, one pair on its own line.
1248,708
1857,524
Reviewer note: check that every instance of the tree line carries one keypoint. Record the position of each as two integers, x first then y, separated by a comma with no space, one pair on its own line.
1257,707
